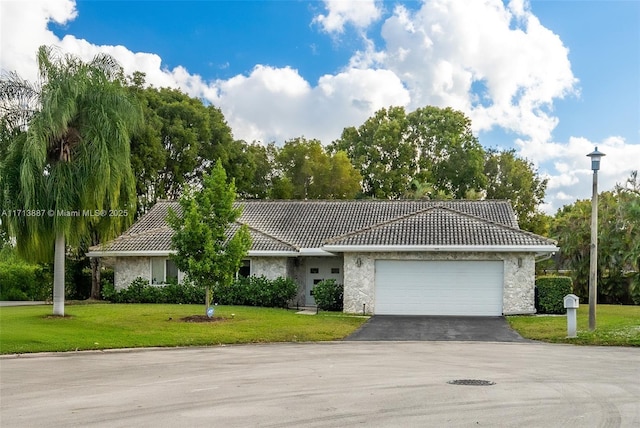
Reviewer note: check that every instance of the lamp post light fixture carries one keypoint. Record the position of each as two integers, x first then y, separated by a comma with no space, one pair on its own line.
593,261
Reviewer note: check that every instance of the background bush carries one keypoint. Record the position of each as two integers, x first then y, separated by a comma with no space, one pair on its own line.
22,281
550,292
329,296
253,291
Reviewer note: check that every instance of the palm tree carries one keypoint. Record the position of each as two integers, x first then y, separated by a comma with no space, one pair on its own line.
67,162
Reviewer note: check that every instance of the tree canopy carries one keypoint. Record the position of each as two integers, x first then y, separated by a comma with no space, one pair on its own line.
306,171
618,242
516,179
179,142
430,145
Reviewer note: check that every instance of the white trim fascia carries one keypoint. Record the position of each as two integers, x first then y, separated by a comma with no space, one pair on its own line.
259,253
315,252
540,249
303,252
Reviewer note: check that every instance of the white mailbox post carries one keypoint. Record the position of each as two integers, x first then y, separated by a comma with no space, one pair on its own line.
571,303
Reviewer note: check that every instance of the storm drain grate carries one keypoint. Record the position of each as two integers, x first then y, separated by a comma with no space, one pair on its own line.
474,382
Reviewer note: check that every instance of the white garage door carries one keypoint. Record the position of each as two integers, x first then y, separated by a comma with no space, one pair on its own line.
408,287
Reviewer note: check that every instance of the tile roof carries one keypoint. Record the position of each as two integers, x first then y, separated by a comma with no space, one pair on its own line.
288,226
439,226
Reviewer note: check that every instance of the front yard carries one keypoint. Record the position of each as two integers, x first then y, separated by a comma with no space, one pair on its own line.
105,326
616,325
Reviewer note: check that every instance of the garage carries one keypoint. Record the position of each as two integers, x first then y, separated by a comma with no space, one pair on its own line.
419,287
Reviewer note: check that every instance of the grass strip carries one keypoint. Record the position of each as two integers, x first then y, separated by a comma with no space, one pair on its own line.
616,325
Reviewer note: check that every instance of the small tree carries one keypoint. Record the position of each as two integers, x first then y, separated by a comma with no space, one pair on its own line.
209,247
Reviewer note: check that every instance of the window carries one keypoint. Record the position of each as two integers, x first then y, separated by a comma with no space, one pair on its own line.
335,270
171,271
163,270
314,270
157,270
245,269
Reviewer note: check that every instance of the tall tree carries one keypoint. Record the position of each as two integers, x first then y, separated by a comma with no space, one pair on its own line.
432,146
184,130
148,157
449,155
515,179
204,249
179,142
307,171
248,165
380,152
71,163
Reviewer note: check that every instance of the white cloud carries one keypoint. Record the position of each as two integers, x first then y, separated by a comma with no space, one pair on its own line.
569,169
24,29
278,104
359,13
496,63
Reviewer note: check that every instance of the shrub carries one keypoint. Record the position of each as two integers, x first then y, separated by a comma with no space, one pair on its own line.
329,295
185,293
550,293
108,291
257,291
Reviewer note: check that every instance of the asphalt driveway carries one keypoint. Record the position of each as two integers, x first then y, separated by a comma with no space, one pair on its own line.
437,328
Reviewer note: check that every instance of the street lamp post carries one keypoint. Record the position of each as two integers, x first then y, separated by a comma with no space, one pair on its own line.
593,262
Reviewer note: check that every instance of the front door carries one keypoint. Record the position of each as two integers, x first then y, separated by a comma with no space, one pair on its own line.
319,269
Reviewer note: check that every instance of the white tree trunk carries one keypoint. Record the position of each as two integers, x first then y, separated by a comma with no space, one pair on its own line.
58,276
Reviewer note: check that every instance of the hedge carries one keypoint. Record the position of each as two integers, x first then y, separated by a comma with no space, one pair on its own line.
253,291
257,291
140,291
550,292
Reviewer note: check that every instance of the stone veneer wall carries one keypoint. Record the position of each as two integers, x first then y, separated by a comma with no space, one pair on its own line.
519,278
126,269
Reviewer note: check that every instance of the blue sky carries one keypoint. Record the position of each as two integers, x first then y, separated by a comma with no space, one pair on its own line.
551,79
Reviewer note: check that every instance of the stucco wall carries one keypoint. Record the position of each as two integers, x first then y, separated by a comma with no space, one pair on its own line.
270,267
126,269
519,278
297,268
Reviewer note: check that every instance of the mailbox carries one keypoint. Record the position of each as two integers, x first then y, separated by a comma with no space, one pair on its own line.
571,301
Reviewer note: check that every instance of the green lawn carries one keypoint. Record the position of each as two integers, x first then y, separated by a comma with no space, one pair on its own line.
616,325
105,326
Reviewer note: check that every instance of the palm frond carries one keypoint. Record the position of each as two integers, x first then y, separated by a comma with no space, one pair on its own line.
74,154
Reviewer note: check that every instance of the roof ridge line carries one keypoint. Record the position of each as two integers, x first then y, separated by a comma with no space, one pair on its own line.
378,225
275,238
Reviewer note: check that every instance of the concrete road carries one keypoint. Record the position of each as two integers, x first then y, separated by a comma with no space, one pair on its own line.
337,384
401,328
